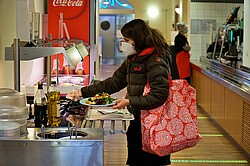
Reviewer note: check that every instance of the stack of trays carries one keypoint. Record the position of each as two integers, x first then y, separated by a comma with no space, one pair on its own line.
9,130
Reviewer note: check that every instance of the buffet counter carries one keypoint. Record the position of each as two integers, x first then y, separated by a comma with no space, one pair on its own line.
54,146
223,93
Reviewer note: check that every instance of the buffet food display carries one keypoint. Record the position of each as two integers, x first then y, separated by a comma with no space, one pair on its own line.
66,83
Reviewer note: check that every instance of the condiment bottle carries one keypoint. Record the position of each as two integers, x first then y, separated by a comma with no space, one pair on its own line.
54,117
40,106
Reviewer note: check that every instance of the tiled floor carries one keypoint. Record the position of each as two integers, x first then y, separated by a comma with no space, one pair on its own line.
213,149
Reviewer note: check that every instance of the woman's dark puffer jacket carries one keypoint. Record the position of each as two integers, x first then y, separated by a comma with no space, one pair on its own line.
134,73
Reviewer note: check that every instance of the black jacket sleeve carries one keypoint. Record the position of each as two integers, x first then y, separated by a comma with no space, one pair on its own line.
110,85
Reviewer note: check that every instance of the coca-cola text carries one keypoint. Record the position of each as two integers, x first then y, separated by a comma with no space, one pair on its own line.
67,3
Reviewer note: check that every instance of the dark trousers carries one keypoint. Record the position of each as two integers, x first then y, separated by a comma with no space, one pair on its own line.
136,156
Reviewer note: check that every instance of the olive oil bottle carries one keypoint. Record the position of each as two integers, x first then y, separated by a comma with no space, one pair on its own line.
54,117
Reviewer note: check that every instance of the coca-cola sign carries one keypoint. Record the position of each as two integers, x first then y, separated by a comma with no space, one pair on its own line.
68,6
68,3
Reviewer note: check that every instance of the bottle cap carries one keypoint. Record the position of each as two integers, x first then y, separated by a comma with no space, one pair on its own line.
40,85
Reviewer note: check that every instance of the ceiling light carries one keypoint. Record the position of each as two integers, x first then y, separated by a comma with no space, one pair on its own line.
153,12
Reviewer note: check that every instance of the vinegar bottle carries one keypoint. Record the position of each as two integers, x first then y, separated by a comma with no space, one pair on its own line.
54,118
40,106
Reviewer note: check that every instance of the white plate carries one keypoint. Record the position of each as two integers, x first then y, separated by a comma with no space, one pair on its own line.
82,101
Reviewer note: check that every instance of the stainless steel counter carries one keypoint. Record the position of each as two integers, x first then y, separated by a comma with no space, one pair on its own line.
234,79
36,151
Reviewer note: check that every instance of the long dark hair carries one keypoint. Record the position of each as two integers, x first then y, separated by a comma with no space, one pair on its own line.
145,37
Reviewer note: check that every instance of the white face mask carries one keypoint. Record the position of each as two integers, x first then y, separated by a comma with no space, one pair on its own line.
128,48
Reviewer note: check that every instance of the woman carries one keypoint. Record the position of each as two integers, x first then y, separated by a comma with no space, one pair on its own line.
147,62
182,49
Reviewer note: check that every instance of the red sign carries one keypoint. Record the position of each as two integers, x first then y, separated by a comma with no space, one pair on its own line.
67,6
77,19
75,15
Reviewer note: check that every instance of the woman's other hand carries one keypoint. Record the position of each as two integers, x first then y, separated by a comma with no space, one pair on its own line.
121,103
187,47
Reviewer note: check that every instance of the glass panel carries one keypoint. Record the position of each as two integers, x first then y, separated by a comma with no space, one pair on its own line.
199,26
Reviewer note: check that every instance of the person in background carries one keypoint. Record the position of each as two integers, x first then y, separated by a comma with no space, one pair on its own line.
210,49
147,62
182,49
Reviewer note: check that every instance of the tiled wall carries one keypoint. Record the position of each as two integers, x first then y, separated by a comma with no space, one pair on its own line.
209,11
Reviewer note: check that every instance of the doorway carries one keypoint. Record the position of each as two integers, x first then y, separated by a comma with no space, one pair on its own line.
107,38
111,37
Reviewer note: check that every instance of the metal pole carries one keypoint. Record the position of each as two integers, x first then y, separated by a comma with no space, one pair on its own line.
215,45
48,72
57,70
49,66
16,54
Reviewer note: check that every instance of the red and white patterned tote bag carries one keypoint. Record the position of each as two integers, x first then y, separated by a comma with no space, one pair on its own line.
173,126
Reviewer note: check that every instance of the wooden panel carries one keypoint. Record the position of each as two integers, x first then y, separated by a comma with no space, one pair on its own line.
203,87
194,78
233,114
218,103
246,126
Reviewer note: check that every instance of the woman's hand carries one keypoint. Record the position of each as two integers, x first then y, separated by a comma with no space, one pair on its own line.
187,47
121,103
75,95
